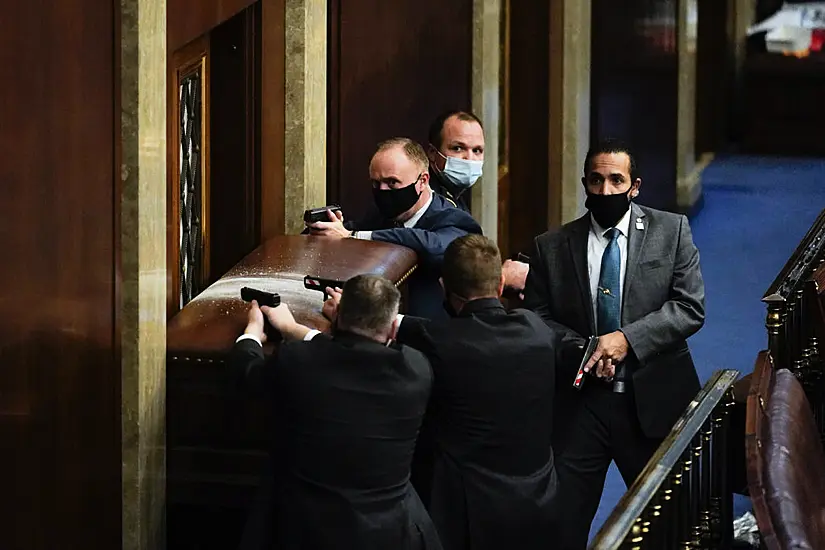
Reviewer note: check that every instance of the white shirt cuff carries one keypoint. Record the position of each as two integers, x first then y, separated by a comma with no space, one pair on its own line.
363,235
311,334
249,337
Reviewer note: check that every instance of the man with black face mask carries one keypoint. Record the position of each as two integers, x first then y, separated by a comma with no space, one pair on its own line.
491,475
630,275
410,214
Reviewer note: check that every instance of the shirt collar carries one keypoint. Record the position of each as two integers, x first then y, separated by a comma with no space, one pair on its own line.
623,225
417,216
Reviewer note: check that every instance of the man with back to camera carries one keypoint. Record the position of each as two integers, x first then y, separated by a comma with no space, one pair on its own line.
347,410
631,275
410,214
456,152
493,477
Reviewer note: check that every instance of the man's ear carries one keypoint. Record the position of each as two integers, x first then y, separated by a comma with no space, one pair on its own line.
501,285
635,188
423,181
394,328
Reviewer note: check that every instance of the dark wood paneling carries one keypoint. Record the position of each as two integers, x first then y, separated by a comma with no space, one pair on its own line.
59,366
187,20
393,66
234,150
634,86
783,112
272,119
528,125
715,75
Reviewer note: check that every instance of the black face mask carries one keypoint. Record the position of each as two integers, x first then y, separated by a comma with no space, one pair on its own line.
608,209
394,202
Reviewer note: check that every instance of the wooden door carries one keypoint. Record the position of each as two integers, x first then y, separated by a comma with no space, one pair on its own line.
393,67
59,231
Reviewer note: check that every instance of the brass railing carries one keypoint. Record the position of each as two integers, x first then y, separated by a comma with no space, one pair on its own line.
683,498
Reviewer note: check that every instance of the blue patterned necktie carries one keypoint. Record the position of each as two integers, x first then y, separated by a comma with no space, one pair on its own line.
608,298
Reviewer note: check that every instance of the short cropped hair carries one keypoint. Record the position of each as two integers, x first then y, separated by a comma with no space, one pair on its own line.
411,148
436,132
472,266
608,146
369,303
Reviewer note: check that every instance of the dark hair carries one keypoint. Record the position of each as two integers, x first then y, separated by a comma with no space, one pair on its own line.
369,303
607,146
472,266
435,134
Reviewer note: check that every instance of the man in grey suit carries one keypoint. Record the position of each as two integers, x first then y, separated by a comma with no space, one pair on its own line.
629,274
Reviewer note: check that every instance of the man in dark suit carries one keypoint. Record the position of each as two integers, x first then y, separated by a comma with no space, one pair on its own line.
456,153
629,274
410,214
492,476
347,410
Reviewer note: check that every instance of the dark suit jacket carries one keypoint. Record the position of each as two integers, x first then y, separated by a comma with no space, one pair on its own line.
441,186
491,410
440,225
663,304
347,411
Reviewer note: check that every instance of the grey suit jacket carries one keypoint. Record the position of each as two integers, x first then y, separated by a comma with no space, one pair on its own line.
662,305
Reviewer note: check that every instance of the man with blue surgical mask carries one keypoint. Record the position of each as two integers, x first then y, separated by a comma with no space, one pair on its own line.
456,153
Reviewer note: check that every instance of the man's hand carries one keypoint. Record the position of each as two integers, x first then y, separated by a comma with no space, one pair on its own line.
255,322
333,228
612,349
515,274
281,318
330,308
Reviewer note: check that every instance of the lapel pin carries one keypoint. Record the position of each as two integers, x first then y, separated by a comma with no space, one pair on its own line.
639,224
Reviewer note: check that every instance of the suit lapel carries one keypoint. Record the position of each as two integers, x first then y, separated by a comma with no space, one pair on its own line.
635,244
577,242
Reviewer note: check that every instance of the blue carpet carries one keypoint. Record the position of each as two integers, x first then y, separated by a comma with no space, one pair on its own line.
756,211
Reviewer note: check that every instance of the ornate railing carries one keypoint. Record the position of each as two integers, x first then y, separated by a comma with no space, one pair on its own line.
789,341
683,498
795,320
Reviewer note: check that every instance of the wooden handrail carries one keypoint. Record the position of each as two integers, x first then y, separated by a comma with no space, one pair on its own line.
686,476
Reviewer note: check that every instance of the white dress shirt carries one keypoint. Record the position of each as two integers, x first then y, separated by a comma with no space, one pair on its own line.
596,245
307,337
367,235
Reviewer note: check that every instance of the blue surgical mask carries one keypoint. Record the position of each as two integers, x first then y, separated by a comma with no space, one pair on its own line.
462,173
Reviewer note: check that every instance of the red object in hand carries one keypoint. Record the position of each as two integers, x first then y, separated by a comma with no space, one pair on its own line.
817,40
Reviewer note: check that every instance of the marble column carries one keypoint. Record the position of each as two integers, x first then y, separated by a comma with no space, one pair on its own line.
142,286
688,171
485,103
305,109
569,106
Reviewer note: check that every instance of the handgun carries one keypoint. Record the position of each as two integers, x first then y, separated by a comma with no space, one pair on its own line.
592,342
264,298
320,214
321,284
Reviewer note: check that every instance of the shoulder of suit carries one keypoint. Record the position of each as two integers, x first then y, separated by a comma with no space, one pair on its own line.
447,212
414,357
662,216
